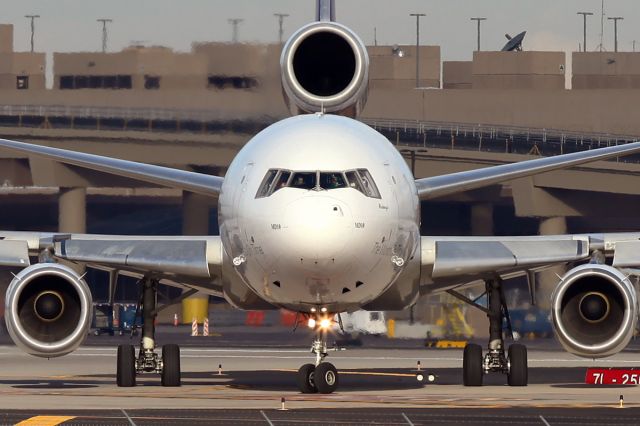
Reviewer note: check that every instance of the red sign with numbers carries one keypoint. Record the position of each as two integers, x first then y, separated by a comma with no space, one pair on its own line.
612,376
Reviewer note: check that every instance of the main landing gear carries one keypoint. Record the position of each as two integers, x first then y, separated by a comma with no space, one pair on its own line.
322,376
148,361
514,364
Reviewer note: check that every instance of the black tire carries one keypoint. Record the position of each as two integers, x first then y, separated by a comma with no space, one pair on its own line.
126,368
518,369
170,375
326,377
472,365
306,382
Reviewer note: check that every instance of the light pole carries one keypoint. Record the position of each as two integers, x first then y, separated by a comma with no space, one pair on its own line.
104,32
479,20
417,15
615,20
234,23
33,27
584,40
280,17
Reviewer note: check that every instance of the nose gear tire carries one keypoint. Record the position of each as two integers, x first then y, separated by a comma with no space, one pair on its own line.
326,377
306,376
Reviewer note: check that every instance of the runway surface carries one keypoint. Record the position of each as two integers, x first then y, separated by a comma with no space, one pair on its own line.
376,385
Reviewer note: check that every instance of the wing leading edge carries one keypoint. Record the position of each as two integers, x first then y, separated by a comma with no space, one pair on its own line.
438,186
166,176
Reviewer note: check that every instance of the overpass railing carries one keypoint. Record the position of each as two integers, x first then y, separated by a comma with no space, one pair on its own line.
411,133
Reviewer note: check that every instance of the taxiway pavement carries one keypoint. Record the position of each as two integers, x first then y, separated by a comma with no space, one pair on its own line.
378,379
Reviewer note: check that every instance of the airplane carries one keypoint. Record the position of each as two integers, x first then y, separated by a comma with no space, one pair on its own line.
320,214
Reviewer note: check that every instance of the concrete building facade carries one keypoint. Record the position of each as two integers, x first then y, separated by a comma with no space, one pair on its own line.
19,70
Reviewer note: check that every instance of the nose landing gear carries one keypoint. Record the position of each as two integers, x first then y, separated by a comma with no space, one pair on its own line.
322,376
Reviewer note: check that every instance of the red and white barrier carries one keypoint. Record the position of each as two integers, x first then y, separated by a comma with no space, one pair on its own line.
205,327
194,327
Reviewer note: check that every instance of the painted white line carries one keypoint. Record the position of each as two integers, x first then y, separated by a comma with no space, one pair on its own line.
128,418
266,418
409,422
544,421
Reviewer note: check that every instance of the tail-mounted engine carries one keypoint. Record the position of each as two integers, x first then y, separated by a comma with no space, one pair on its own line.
48,310
325,67
594,310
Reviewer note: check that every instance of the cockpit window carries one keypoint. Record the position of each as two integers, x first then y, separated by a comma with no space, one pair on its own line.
304,180
369,186
282,180
266,183
354,180
360,180
332,180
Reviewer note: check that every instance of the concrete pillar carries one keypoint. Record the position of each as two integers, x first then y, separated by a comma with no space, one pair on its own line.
195,214
548,279
482,219
553,225
72,210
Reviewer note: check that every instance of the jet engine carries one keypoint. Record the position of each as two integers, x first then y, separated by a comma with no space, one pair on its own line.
594,310
325,67
48,310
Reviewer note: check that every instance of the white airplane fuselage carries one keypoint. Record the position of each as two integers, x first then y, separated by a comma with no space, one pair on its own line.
336,247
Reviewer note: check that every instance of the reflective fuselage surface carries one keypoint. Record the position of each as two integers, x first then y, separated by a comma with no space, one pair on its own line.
302,225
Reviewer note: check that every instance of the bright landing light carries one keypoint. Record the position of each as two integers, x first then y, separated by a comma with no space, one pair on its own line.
325,323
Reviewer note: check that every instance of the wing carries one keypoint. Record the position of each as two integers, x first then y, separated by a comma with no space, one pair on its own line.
180,261
449,262
439,186
166,176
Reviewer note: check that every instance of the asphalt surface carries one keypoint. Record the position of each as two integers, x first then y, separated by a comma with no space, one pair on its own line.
392,416
377,385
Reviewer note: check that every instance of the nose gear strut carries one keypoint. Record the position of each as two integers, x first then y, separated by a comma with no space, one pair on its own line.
322,376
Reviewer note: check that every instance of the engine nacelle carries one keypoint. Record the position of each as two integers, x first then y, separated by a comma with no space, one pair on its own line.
48,310
594,310
325,67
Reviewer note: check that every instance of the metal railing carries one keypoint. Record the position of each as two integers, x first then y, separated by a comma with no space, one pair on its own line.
496,138
412,133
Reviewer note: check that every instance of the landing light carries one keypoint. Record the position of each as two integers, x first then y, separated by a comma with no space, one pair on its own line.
325,323
311,323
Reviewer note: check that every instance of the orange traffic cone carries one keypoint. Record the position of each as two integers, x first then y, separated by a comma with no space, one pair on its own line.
175,320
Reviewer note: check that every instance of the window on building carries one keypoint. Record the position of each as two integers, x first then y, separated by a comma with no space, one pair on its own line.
151,82
95,82
124,82
110,82
66,82
235,82
22,82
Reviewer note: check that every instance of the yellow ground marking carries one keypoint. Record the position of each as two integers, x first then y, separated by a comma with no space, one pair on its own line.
354,373
45,420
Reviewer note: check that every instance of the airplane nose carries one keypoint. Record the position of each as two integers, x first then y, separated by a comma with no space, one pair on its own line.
318,228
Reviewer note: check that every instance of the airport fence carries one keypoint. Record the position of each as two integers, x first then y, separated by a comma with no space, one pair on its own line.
500,139
410,133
